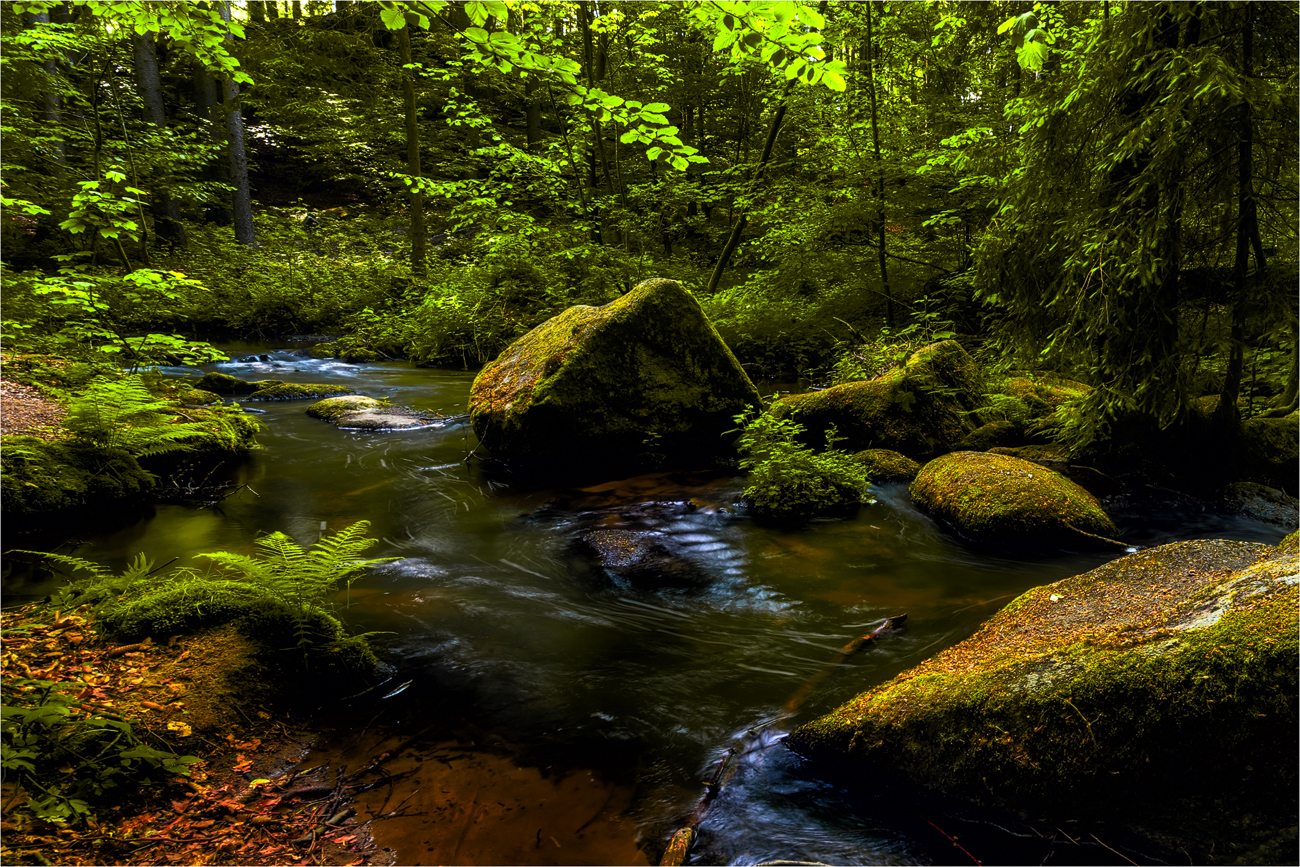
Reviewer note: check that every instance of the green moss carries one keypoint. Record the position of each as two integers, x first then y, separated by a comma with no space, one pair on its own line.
1144,691
199,397
41,476
272,390
225,384
322,350
1034,454
360,355
995,433
883,465
1269,452
1005,501
920,408
1291,544
1042,396
645,374
331,408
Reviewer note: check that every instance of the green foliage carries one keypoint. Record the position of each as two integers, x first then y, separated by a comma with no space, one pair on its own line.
280,589
789,482
69,756
122,415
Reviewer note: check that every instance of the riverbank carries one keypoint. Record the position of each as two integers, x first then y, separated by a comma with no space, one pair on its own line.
246,799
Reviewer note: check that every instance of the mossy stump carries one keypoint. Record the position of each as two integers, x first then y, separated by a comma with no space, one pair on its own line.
919,408
1158,691
1009,503
642,380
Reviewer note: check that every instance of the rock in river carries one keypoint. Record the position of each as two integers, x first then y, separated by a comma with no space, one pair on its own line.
919,408
642,379
1157,690
1007,502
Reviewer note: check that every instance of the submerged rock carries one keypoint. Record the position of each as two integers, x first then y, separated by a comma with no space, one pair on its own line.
643,558
920,408
1159,690
1007,502
643,379
883,465
1261,503
357,412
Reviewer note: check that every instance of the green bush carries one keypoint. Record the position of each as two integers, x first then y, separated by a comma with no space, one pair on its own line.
789,482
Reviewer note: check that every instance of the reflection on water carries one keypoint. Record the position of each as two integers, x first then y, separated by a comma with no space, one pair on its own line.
616,695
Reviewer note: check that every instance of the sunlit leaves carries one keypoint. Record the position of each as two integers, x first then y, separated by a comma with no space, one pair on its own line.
784,35
1029,39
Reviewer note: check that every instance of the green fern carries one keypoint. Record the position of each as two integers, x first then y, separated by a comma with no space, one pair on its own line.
122,414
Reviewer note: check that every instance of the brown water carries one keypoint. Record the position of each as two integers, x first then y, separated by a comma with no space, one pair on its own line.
556,714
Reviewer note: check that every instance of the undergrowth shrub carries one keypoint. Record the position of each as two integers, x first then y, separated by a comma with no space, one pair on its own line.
789,482
66,755
282,595
113,425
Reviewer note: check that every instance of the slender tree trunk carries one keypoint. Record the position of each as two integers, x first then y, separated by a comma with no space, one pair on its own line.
241,198
257,11
878,186
418,267
1227,417
297,10
738,230
533,115
167,211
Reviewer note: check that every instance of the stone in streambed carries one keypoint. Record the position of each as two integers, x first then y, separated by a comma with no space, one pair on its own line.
919,408
644,379
357,412
1009,503
1157,691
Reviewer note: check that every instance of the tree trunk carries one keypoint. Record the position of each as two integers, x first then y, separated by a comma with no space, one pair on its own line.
241,199
418,268
297,10
257,11
878,186
733,241
1227,417
167,211
533,115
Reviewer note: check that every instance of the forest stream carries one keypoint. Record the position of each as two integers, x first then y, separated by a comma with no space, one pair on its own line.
546,712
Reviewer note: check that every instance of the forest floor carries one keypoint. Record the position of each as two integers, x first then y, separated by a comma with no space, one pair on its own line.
28,411
246,801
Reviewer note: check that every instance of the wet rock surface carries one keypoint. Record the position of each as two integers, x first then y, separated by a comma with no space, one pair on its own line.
1006,502
640,381
1157,690
918,409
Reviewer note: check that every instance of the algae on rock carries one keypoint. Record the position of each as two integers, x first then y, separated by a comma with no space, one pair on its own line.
919,408
1007,502
1157,690
641,380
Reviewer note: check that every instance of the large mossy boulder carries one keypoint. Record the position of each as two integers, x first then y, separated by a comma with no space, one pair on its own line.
1009,503
1270,452
641,379
1158,690
920,408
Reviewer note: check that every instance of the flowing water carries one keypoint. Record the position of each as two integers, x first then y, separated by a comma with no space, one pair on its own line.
548,712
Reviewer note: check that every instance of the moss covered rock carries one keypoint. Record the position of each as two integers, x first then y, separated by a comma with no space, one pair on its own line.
920,408
1044,395
1159,690
991,435
639,380
272,390
883,465
1269,452
199,397
1007,502
1261,503
331,408
321,350
225,384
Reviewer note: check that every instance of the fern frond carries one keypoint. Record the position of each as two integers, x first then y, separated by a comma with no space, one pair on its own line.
93,568
249,567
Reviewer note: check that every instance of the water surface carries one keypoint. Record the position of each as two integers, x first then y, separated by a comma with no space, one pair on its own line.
539,682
